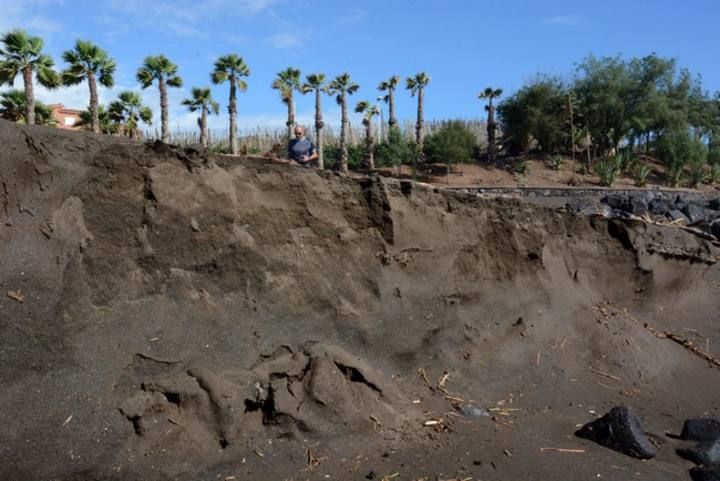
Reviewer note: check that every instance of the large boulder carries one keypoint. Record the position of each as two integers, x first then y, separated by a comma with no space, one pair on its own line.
701,429
704,454
619,430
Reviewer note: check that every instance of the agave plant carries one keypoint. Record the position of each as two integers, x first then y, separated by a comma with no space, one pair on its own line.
713,176
641,172
607,170
554,162
696,174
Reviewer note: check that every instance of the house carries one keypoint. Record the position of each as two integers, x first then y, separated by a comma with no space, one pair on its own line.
68,119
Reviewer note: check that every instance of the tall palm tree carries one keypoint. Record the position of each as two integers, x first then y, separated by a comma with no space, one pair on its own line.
12,107
88,61
489,93
128,111
22,54
342,86
369,110
231,68
416,85
287,82
202,100
389,86
160,68
316,83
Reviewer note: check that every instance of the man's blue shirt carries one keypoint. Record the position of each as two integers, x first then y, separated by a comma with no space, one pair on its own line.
299,148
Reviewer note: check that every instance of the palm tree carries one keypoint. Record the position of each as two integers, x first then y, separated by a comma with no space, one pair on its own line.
416,85
128,111
316,83
489,93
21,54
369,110
160,68
88,61
342,86
202,100
389,86
287,82
231,68
12,107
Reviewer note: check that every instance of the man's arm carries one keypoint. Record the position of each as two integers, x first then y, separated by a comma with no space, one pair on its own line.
312,155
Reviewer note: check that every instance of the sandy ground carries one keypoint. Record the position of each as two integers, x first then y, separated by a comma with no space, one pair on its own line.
169,316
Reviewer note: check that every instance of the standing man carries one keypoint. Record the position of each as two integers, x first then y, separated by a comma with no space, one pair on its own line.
301,150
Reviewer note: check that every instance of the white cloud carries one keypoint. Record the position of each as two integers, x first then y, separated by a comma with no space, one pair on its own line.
569,20
354,17
28,14
284,40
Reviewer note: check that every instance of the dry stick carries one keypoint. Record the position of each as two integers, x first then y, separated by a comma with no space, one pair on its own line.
562,450
604,374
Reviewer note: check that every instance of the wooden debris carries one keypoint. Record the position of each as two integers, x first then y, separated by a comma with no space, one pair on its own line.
562,450
68,420
604,374
686,343
16,296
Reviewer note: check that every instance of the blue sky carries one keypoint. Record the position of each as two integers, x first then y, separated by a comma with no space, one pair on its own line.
464,45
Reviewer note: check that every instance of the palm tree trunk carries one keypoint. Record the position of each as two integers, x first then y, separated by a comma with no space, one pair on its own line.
94,103
318,130
370,144
232,110
29,96
343,134
420,121
291,115
391,102
491,131
204,127
164,132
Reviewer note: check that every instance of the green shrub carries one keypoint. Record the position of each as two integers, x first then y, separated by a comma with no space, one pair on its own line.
641,172
678,148
393,151
713,176
356,155
607,170
522,167
696,174
554,162
453,143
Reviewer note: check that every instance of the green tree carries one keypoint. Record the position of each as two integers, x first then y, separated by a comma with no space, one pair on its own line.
316,83
202,100
160,68
369,111
12,107
394,150
89,62
536,115
342,86
231,68
107,126
489,94
287,82
389,86
22,54
128,111
677,148
453,143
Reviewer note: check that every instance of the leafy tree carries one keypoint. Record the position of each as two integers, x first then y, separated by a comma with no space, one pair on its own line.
128,111
453,143
536,113
231,68
316,83
389,86
22,54
342,86
287,82
12,107
489,93
89,62
395,150
160,68
107,125
202,100
369,111
677,148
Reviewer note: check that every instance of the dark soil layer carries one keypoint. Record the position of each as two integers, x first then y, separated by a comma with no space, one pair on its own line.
169,316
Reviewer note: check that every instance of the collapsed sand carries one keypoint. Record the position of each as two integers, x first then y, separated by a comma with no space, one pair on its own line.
179,316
